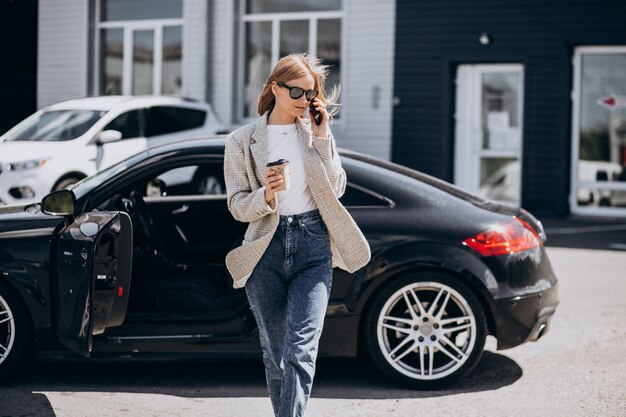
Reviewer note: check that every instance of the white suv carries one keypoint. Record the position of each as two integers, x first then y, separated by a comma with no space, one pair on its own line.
65,142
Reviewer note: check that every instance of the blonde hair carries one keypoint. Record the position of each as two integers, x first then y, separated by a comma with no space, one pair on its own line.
293,66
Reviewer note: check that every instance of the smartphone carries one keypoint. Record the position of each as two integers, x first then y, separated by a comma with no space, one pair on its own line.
317,116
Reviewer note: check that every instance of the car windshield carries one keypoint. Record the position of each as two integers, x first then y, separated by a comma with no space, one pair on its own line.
87,184
55,125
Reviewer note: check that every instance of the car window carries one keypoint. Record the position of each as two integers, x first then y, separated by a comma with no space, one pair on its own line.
356,196
161,120
191,180
88,184
55,125
127,123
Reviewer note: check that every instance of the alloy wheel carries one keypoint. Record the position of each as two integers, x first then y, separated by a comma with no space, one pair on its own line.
427,331
7,329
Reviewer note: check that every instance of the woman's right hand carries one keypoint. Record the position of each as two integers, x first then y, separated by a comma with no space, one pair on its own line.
273,182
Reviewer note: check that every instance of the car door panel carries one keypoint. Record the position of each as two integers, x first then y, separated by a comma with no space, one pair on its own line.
92,277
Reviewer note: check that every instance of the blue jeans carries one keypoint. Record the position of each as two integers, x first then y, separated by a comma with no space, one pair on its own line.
288,293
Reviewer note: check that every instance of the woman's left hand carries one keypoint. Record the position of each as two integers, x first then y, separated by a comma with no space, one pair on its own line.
323,129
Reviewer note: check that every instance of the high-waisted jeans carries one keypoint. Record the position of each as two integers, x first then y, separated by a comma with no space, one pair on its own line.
288,293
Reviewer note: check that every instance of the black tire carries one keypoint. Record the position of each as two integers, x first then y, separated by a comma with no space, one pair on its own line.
64,183
16,336
414,336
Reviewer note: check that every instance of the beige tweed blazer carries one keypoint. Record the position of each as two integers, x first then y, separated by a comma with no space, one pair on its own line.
244,171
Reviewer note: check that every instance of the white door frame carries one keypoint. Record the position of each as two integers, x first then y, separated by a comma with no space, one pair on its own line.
468,123
576,108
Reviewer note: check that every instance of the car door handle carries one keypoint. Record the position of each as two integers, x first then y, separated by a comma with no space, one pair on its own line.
182,209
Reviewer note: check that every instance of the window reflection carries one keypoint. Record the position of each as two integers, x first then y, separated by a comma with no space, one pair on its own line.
294,37
258,59
602,150
599,197
329,50
111,10
279,6
172,60
500,110
111,61
500,179
143,61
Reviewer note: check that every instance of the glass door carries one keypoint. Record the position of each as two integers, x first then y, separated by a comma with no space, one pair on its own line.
599,131
488,130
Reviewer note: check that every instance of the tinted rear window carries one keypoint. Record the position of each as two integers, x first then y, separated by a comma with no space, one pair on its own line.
166,119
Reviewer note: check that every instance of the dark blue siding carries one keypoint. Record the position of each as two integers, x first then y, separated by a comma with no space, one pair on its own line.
18,61
433,37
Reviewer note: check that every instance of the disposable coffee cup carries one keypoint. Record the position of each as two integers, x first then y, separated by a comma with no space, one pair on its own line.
281,166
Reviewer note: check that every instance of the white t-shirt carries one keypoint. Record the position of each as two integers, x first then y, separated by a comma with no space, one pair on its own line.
283,142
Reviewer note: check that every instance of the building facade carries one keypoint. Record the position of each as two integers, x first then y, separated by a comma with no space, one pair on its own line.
523,102
221,51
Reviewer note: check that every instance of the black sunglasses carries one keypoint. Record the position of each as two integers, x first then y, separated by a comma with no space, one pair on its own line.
296,92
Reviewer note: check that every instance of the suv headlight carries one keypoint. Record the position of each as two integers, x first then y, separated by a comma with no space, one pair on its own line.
24,165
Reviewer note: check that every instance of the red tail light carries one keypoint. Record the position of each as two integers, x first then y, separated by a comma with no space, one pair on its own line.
513,236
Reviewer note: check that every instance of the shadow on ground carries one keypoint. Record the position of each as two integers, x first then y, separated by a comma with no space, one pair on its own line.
335,378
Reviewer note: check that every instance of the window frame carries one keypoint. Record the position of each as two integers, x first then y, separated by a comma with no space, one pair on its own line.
274,19
128,27
575,183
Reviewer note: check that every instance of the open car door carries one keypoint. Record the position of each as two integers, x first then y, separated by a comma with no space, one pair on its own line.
92,261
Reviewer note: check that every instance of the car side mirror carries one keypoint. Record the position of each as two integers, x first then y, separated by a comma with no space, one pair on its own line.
156,188
59,203
108,136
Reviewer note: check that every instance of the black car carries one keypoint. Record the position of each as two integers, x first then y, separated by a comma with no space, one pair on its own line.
129,264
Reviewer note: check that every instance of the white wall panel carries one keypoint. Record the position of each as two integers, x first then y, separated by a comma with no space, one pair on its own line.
222,58
368,59
62,63
195,48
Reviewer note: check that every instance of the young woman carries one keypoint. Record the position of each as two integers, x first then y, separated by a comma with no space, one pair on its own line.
296,236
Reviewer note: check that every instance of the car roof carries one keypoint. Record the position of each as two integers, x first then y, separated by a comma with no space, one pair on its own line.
107,103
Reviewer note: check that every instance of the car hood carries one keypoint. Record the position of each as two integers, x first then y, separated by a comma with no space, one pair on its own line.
26,150
26,221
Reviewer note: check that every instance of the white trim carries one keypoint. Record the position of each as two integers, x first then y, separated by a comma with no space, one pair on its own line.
96,51
313,36
157,61
143,23
575,184
275,42
127,62
599,211
602,185
239,98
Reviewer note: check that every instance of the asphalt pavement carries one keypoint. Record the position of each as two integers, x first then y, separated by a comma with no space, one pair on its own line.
576,369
